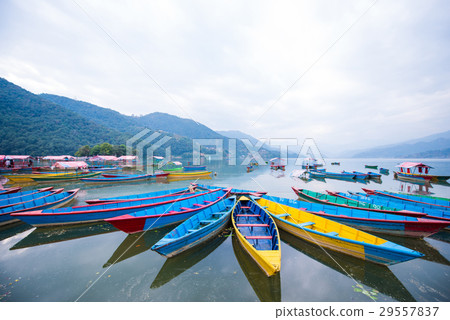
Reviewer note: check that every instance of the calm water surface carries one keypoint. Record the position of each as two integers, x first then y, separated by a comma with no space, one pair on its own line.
98,263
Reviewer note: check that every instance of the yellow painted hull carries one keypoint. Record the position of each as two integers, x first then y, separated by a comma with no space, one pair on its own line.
29,177
322,225
268,260
189,174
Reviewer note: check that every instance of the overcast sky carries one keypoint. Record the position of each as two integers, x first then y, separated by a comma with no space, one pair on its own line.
350,74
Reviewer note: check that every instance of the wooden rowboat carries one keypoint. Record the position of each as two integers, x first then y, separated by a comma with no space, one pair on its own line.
93,213
61,178
258,234
22,193
10,190
428,201
56,199
369,221
371,166
145,196
336,236
14,201
167,214
322,198
199,228
430,211
189,174
123,178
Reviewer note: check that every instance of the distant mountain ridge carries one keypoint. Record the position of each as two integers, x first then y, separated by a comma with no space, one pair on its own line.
432,146
170,124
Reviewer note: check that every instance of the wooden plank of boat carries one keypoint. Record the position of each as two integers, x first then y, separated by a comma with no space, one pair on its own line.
336,236
199,228
56,199
258,234
145,196
368,220
167,214
318,197
93,213
435,202
430,211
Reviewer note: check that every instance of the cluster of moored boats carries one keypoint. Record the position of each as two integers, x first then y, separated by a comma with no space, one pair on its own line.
335,221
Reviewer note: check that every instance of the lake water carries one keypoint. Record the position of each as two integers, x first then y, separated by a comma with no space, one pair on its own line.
98,263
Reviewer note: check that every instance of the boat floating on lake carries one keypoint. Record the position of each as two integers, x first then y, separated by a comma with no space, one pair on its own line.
336,236
417,171
258,234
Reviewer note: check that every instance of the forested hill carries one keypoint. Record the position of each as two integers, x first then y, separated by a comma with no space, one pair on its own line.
132,124
35,126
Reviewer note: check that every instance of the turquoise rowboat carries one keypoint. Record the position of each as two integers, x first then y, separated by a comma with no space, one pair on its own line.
198,229
336,236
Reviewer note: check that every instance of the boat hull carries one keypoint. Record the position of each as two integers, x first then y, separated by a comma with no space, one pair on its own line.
187,239
368,247
165,215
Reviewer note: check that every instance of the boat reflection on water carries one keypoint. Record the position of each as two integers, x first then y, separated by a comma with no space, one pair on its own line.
137,243
268,289
10,230
46,235
421,245
370,274
178,264
421,188
443,235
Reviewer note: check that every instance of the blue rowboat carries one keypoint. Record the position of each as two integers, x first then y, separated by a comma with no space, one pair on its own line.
145,196
167,214
122,178
194,168
384,171
13,201
374,175
10,190
337,175
54,200
358,175
258,234
22,193
368,220
317,174
423,200
336,236
93,213
430,211
199,228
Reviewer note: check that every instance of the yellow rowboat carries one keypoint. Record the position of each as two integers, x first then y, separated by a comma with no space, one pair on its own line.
258,234
336,236
29,177
193,174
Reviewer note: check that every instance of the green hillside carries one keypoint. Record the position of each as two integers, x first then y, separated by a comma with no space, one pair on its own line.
32,125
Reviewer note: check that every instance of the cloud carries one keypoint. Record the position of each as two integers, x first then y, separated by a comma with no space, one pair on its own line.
227,62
